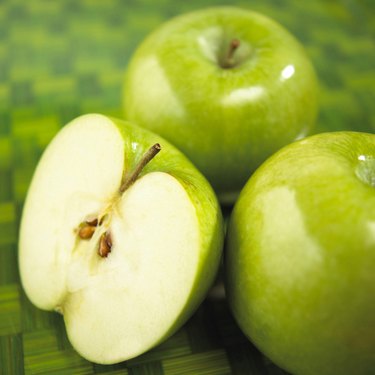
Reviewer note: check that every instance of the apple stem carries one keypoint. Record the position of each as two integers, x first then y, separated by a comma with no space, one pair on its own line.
228,61
147,157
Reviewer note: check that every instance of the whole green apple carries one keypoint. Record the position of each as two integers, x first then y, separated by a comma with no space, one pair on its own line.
300,256
122,240
227,86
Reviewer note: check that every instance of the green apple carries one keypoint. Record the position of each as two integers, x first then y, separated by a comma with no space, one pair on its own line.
125,247
227,86
300,256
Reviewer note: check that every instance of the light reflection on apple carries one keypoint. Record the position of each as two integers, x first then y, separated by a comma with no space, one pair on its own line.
365,169
287,72
243,95
208,42
157,85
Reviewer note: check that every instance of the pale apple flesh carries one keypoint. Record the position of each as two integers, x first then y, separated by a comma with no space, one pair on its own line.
116,306
143,282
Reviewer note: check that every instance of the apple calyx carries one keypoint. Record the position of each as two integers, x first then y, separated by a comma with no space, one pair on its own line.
228,62
88,227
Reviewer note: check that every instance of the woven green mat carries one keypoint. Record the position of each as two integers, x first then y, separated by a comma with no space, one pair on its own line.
60,59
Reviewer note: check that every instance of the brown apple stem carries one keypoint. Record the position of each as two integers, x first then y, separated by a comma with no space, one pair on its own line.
228,61
147,157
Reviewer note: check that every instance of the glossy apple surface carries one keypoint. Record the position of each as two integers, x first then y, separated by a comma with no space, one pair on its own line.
226,114
125,263
301,256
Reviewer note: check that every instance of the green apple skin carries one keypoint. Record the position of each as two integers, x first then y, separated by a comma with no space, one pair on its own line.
300,256
227,121
171,161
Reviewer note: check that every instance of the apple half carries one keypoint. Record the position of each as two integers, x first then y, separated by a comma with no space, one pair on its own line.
123,246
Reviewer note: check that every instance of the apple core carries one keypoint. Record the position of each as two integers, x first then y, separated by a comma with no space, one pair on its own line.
87,228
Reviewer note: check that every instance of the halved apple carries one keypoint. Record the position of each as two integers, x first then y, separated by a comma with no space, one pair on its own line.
125,247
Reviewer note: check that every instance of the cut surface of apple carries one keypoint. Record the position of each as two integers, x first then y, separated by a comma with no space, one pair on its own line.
159,245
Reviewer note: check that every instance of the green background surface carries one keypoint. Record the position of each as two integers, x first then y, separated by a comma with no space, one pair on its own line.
61,59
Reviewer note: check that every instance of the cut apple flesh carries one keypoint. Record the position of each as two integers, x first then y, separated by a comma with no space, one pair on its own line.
118,306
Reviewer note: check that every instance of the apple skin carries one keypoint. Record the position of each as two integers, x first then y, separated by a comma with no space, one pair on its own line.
300,256
227,121
50,294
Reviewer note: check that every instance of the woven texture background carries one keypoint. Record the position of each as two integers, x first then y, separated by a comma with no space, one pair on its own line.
60,59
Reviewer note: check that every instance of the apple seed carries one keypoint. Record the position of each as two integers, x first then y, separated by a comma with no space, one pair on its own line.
87,228
93,222
86,231
105,244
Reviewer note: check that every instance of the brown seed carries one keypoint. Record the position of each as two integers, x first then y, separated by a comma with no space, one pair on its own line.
92,223
86,232
105,245
108,239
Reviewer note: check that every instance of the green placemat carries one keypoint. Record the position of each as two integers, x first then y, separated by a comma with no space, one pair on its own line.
61,59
